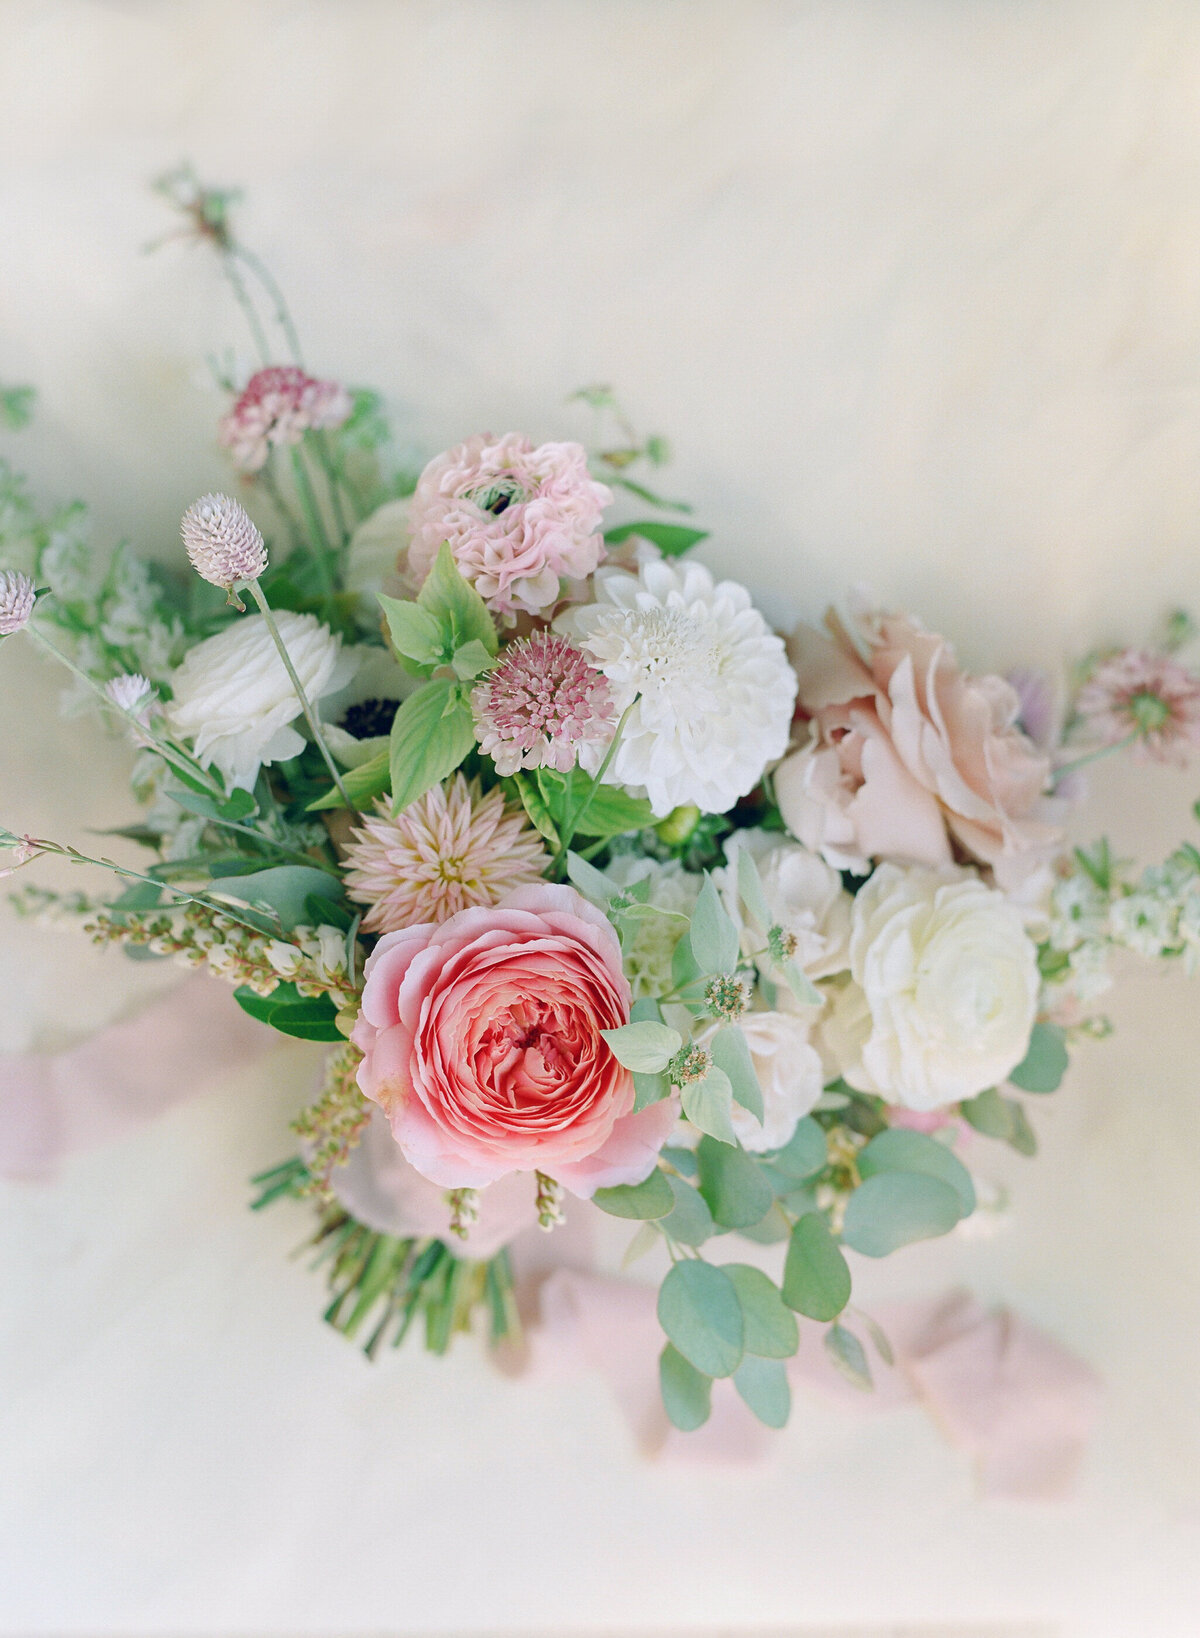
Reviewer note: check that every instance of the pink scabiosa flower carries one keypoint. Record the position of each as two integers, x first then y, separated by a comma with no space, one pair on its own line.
540,704
1143,695
449,850
278,406
222,542
17,597
517,518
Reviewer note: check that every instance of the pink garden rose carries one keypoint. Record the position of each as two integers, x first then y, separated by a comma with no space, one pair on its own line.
518,519
481,1043
907,755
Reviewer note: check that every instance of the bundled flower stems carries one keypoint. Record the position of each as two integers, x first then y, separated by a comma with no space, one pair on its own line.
597,888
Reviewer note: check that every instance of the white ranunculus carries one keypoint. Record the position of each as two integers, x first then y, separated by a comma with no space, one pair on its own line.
789,1073
944,990
233,699
803,896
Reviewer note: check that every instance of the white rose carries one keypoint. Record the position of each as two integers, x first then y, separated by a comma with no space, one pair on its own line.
789,1073
944,993
234,700
803,896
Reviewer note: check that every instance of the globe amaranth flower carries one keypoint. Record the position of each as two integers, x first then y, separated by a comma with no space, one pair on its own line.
278,406
1143,694
481,1042
223,545
17,597
518,519
449,850
540,704
711,682
233,698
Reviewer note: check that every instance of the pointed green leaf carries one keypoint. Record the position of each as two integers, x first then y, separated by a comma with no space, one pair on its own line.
592,883
816,1277
892,1209
686,1392
432,732
707,1104
770,1326
750,888
848,1355
672,539
730,1053
456,605
647,1047
899,1150
651,1198
698,1308
736,1191
535,807
308,1018
714,938
415,633
471,660
764,1388
690,1223
368,780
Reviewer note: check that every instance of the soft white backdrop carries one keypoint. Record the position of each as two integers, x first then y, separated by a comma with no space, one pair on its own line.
915,290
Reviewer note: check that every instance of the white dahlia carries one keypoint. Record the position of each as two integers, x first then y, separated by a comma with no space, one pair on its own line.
713,688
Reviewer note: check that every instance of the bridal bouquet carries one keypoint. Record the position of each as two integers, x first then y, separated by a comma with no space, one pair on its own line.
596,887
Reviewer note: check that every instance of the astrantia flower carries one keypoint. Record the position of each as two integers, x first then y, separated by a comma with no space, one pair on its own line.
517,518
1149,695
223,544
17,597
713,687
449,850
278,406
539,704
235,701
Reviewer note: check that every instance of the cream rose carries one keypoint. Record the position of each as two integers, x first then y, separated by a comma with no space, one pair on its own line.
789,1075
234,700
944,989
803,895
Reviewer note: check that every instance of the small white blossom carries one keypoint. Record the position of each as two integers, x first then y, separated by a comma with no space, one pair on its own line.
128,692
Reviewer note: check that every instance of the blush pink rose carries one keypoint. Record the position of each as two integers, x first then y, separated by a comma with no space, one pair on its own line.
907,755
518,519
481,1043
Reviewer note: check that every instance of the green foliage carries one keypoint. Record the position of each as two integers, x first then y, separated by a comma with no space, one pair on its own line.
1045,1064
686,1392
652,1198
770,1326
610,811
363,784
672,539
690,1222
309,1018
431,734
733,1185
416,634
849,1355
999,1117
713,935
698,1308
804,1154
283,889
898,1150
730,1053
647,1047
16,407
892,1209
708,1104
457,607
816,1276
764,1388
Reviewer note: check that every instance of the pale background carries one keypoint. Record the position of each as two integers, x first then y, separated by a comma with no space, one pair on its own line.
915,290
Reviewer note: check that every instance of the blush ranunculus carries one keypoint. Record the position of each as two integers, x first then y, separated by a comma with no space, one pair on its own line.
907,753
481,1043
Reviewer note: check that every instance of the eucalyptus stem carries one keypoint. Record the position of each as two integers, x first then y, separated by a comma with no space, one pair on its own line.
571,825
264,608
1094,756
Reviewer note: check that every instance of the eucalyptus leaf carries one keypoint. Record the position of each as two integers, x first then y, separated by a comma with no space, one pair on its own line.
736,1191
647,1047
892,1209
431,734
801,986
1045,1063
683,1160
770,1326
899,1150
849,1355
686,1392
730,1053
648,1089
816,1276
750,888
698,1308
713,935
764,1389
651,1198
708,1104
690,1223
592,883
999,1117
805,1153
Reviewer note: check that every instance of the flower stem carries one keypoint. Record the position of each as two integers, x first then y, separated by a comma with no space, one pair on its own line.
1094,756
572,823
310,715
319,539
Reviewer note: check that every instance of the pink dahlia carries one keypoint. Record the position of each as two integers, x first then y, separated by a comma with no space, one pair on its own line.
1150,697
539,704
278,406
449,850
518,519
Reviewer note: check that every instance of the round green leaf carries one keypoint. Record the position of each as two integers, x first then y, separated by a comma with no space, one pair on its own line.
686,1392
816,1277
892,1209
771,1331
899,1150
737,1192
763,1385
698,1308
1045,1064
805,1153
649,1199
690,1224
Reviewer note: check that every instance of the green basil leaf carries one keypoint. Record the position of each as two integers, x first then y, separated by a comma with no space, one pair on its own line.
432,733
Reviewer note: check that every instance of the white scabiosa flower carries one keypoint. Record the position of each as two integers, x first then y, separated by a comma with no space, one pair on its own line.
222,543
17,597
713,688
234,700
944,991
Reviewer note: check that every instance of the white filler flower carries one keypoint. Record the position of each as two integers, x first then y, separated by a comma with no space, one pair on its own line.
716,691
944,993
234,700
